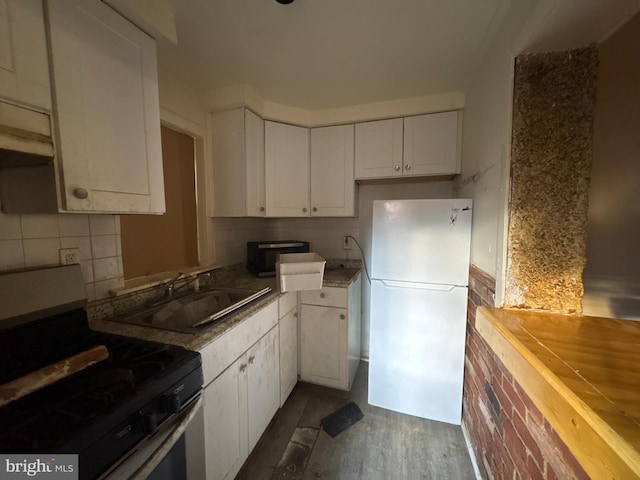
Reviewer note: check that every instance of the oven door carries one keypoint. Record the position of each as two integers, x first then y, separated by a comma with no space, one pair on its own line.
161,455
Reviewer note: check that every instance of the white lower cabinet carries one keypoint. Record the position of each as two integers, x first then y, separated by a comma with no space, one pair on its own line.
288,327
330,326
244,394
263,384
225,423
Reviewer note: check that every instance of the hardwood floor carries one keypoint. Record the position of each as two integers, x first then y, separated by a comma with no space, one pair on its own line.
383,445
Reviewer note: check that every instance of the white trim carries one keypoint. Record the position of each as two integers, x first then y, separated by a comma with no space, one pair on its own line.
472,455
181,124
177,122
242,96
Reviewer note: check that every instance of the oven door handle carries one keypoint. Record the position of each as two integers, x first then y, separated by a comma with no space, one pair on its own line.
163,449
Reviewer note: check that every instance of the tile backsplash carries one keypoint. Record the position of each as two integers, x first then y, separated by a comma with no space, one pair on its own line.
324,235
28,241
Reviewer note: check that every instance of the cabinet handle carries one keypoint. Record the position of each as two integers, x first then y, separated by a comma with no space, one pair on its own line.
407,167
80,193
295,315
262,209
322,295
252,359
315,209
243,367
397,168
342,316
304,210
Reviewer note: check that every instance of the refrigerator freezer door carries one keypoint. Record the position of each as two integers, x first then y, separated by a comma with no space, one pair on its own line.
417,349
423,241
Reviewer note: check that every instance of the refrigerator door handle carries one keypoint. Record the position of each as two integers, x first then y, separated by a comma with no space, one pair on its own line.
420,286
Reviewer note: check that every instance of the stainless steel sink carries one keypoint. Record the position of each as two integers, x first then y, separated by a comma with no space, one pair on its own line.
187,313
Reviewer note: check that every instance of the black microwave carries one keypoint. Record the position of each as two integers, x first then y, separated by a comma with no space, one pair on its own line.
262,256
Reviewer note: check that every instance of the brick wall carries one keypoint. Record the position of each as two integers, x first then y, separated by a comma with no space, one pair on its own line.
510,437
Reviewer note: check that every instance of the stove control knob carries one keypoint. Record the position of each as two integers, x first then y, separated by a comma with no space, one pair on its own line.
149,423
171,403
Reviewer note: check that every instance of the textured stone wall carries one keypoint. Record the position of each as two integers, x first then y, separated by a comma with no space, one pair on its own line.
554,99
510,437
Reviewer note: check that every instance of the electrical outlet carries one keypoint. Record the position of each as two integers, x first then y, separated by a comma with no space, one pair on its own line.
346,242
69,256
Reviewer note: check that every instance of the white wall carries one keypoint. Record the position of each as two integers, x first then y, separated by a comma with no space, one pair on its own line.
486,144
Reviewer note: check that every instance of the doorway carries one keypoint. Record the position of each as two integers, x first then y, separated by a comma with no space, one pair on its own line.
161,243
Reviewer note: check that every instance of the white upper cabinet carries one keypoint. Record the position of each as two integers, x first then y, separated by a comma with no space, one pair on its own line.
379,149
414,146
332,180
431,145
24,68
238,164
106,107
286,170
254,161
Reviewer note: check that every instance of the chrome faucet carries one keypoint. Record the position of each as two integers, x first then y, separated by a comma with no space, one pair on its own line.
170,286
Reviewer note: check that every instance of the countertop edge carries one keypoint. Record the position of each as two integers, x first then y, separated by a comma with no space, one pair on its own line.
601,451
338,278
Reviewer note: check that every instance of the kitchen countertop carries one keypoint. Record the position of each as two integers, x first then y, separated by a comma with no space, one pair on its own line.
583,373
333,277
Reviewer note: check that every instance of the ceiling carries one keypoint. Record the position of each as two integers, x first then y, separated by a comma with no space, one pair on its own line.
323,54
316,54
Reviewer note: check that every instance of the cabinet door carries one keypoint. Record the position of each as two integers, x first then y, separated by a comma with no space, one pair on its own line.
323,345
288,328
332,181
431,144
225,422
326,296
106,106
254,161
24,67
227,130
263,384
286,170
379,149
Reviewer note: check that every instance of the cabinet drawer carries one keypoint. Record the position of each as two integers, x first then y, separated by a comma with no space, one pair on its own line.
326,296
286,302
224,350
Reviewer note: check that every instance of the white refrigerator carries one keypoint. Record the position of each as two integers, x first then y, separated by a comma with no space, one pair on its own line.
419,276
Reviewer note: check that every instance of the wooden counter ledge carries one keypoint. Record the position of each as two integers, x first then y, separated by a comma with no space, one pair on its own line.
583,373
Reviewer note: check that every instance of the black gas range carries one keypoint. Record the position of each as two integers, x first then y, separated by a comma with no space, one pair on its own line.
103,411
